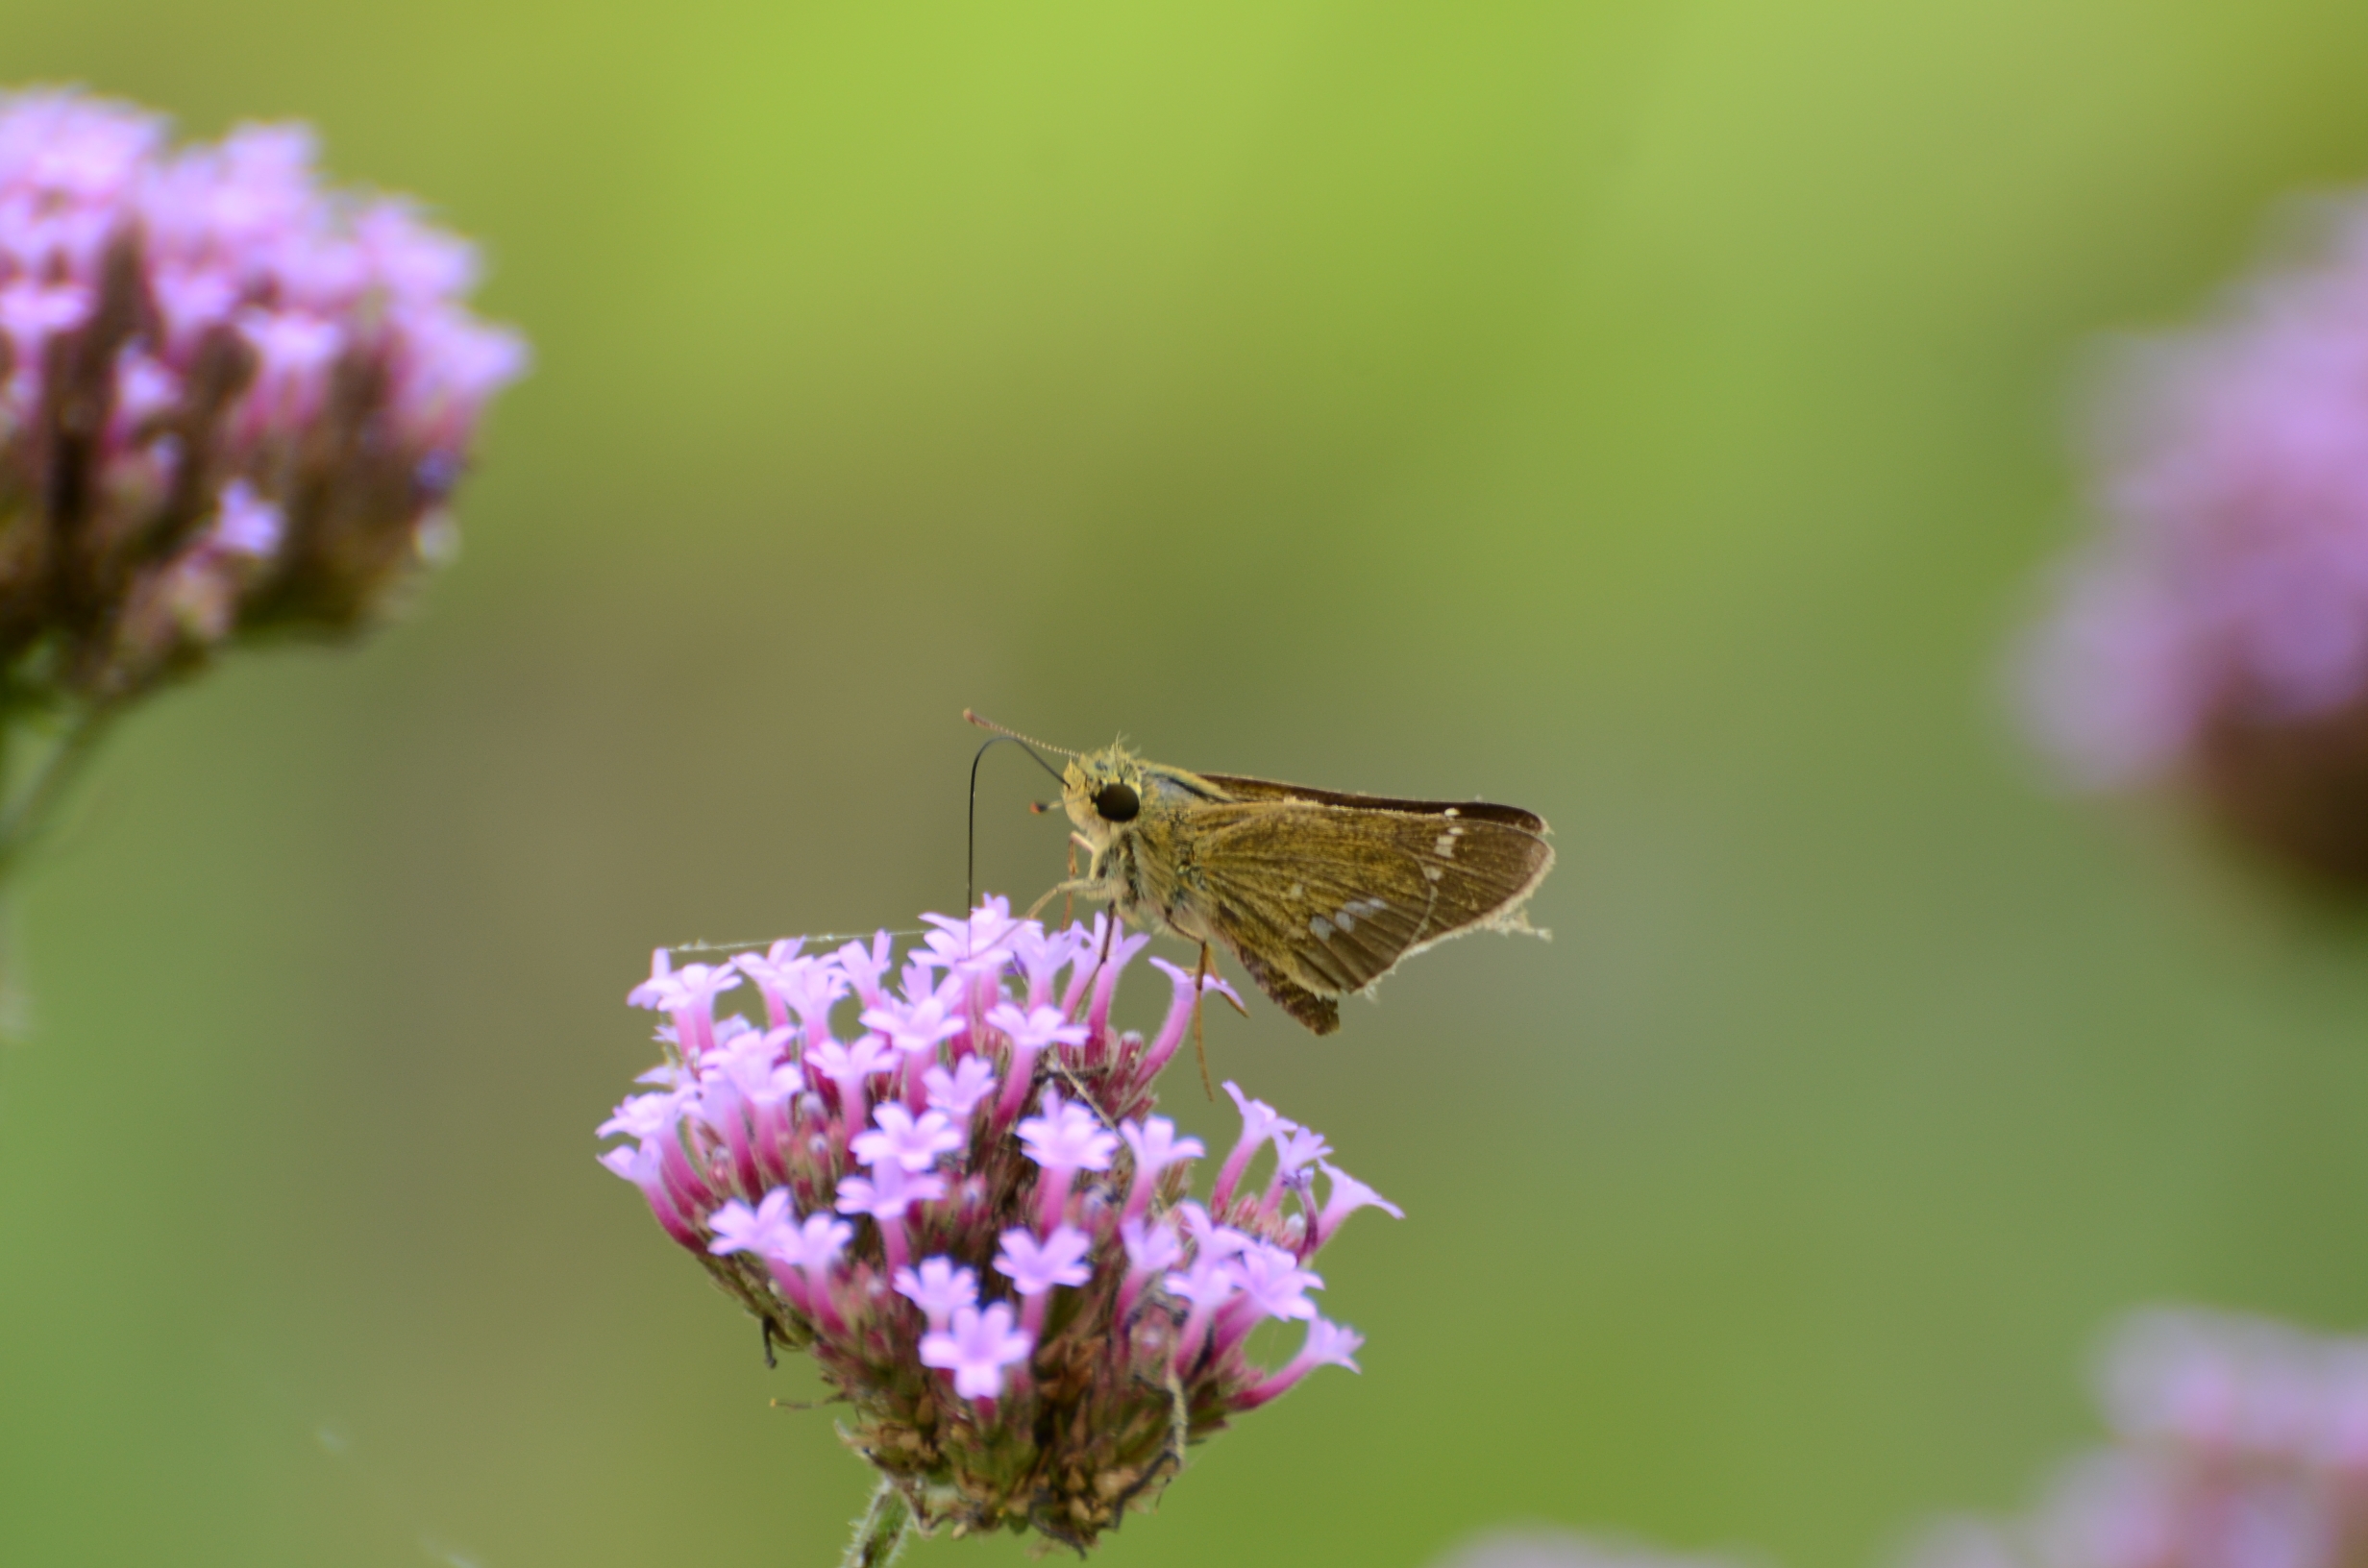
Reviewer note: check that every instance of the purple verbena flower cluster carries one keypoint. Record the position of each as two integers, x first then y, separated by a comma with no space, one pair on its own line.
230,399
2218,628
2237,1443
971,1217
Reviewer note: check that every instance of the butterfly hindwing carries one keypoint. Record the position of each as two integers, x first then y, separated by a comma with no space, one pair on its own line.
1319,898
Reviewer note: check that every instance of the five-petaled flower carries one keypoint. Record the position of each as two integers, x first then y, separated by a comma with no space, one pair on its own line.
971,1218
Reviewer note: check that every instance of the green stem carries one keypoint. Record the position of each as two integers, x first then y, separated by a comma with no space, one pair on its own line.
28,813
882,1533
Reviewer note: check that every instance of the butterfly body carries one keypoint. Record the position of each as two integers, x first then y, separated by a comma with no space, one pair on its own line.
1316,892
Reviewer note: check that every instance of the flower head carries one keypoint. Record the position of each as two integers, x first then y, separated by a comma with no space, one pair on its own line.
973,1282
2236,1444
2215,629
263,389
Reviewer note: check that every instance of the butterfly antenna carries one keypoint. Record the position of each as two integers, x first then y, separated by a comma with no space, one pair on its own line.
969,866
1027,741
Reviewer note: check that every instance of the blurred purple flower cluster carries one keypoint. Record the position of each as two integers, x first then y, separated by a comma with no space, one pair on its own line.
2238,1443
2218,628
968,1215
230,398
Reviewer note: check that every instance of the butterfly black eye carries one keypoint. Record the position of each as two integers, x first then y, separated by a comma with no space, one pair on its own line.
1116,803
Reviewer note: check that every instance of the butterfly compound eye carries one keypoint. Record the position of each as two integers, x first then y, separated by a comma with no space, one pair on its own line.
1116,803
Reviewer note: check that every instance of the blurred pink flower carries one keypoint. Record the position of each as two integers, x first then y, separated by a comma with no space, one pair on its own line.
2215,630
2237,1443
232,397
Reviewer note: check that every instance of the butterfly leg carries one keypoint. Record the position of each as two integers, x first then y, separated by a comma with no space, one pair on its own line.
1200,1050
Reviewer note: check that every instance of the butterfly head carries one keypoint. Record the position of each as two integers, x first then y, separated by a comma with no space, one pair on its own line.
1103,792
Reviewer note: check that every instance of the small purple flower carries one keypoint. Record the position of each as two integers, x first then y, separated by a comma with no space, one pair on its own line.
1155,1147
863,968
1067,1137
1063,1141
1346,1196
645,1115
761,1230
889,1191
900,1137
980,945
1327,1344
888,1195
975,1348
802,1260
957,1093
248,524
1272,1284
661,991
1041,955
1191,986
688,995
850,1066
1203,1287
1151,1250
1037,1028
1035,1267
777,972
1027,1033
1124,1307
917,1027
1259,1123
814,1242
1149,1247
940,1287
1209,1239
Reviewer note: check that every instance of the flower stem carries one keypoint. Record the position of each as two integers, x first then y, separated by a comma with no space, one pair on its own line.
28,809
882,1533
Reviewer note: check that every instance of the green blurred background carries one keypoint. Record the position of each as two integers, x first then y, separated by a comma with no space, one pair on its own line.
1651,414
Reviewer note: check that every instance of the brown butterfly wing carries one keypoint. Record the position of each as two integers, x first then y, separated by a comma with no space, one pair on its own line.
1268,789
1318,900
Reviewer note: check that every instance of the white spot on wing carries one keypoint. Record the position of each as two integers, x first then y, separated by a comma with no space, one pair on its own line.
1451,812
1321,927
1349,916
1433,873
1446,844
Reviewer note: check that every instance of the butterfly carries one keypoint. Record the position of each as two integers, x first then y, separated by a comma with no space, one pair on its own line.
1316,893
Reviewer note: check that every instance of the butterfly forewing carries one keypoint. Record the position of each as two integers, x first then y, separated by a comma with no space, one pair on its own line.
1267,789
